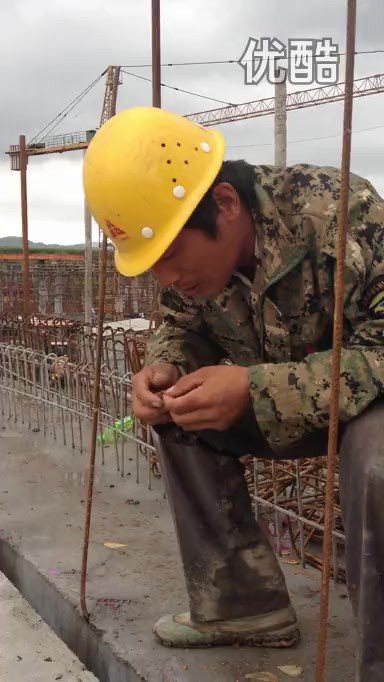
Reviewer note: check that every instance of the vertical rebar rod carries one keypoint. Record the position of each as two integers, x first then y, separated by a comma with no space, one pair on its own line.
156,54
88,266
93,433
109,110
24,223
337,342
277,516
300,512
255,486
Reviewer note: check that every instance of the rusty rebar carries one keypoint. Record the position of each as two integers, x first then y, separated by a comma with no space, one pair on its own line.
93,433
156,54
337,342
58,389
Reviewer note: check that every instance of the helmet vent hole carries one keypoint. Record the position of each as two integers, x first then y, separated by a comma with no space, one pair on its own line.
186,163
169,161
163,144
178,144
196,149
174,180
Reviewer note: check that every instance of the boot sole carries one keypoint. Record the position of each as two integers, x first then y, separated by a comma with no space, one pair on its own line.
280,639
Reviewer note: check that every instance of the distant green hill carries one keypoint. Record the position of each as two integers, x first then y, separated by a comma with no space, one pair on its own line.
15,244
47,250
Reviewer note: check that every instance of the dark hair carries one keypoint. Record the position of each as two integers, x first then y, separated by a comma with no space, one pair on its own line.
241,176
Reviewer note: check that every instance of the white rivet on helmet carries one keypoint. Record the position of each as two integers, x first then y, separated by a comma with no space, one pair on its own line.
205,147
179,191
147,232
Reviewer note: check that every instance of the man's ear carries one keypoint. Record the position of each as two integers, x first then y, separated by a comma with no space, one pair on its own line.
227,200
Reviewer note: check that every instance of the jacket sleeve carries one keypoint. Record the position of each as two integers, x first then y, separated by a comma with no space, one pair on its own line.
292,399
183,338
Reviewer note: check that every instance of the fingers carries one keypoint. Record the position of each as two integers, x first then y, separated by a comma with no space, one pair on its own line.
152,379
142,393
186,384
150,416
163,377
188,403
144,409
147,405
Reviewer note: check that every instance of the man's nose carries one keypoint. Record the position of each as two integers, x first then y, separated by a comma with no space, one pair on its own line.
166,276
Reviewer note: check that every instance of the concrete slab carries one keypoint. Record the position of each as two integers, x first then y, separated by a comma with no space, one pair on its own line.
41,510
29,649
137,324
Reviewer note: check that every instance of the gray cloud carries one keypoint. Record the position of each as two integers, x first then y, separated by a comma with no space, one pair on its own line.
62,45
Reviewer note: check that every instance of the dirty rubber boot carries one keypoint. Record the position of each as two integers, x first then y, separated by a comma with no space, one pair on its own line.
277,629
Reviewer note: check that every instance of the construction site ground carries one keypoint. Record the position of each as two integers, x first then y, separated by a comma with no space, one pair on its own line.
30,651
42,497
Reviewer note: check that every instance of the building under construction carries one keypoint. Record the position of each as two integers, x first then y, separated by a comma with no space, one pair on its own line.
57,287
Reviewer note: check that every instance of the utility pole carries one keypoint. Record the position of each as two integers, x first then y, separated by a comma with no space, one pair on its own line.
24,223
87,265
156,54
281,122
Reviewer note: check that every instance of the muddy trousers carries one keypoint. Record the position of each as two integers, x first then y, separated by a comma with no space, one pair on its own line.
229,567
362,499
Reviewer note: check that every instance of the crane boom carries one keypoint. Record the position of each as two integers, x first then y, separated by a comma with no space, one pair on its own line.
371,85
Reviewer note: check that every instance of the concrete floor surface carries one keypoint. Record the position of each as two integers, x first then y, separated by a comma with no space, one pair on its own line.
29,650
42,495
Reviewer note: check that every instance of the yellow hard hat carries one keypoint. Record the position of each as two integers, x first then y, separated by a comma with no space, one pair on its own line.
145,171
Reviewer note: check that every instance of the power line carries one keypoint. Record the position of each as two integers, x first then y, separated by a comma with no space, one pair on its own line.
71,107
306,139
89,105
173,87
54,122
236,61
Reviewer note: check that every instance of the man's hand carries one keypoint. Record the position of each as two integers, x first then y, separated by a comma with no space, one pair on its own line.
210,398
147,384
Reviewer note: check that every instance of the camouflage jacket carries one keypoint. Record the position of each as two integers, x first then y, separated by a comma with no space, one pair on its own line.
280,326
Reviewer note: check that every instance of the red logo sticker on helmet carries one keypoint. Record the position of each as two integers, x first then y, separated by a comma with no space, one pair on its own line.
114,231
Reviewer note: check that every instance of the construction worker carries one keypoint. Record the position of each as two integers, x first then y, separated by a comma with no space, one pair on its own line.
245,256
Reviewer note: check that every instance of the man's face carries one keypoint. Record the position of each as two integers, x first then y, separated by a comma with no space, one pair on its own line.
196,264
199,265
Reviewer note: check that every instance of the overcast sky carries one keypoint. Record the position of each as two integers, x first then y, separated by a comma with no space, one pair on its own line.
52,49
